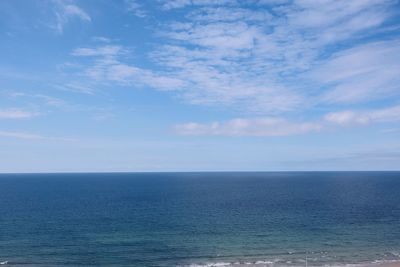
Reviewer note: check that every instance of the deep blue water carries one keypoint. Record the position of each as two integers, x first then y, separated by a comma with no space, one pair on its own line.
178,219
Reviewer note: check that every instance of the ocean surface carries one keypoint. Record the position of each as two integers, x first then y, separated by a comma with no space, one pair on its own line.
200,219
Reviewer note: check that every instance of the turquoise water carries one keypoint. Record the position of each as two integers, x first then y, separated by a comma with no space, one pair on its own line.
200,219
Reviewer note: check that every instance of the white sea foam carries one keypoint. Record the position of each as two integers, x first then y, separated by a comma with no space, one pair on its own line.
266,263
3,262
216,264
258,263
397,254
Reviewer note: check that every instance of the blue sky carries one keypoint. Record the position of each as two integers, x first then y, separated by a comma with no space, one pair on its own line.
199,85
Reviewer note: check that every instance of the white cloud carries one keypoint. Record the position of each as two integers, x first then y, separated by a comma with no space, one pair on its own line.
363,73
20,135
176,4
351,16
17,114
233,14
72,10
284,58
172,4
274,126
259,60
49,100
222,65
66,11
107,50
31,136
109,68
346,117
349,117
126,74
134,7
248,127
101,39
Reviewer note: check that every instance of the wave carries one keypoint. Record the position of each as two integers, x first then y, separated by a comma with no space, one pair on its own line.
277,263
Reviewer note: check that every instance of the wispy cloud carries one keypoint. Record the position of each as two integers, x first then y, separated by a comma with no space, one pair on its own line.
107,50
20,135
109,67
248,127
76,87
366,72
274,126
350,117
101,39
135,8
32,136
66,11
264,59
172,4
291,56
46,99
17,114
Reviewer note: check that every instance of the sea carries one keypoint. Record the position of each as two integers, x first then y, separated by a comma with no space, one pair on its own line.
200,219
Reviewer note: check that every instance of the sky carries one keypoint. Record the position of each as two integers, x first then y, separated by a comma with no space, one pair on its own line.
199,85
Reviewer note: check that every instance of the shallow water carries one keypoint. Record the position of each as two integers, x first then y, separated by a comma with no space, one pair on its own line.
200,219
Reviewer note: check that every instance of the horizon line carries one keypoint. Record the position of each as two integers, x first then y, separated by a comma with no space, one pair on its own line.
201,171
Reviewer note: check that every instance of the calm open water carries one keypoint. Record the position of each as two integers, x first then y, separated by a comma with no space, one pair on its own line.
183,219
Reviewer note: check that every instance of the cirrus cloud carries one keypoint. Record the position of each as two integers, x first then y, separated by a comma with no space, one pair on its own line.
262,57
66,11
17,114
